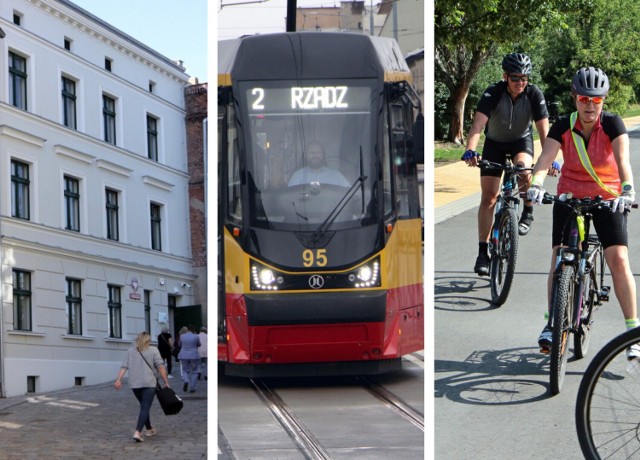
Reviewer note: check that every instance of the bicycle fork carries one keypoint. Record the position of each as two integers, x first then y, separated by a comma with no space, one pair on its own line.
495,231
597,292
501,205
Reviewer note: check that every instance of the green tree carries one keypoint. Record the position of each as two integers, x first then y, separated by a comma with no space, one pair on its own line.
602,33
468,33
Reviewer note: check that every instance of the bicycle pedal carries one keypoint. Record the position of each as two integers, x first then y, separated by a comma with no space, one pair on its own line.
604,293
545,350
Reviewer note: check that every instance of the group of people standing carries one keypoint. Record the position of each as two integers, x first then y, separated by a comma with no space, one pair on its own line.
190,350
595,147
148,366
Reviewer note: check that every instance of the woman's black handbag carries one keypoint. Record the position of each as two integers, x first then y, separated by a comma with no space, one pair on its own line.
169,401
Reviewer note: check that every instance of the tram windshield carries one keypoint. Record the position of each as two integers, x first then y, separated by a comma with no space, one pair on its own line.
309,153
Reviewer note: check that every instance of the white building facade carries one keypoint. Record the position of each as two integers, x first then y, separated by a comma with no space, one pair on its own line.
404,22
94,212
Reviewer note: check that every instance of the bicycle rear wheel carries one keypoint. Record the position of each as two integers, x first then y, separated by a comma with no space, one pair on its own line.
503,257
562,314
608,402
587,297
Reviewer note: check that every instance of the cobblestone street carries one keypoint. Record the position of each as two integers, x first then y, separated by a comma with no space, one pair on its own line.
98,422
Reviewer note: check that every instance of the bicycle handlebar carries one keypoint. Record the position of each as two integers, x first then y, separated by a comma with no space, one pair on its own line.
493,165
582,204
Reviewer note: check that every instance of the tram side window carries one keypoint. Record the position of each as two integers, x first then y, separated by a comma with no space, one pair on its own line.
234,202
401,168
386,170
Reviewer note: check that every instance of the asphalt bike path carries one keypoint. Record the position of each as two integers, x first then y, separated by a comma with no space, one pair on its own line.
491,383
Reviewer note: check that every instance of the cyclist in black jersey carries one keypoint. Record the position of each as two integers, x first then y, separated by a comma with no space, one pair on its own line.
506,112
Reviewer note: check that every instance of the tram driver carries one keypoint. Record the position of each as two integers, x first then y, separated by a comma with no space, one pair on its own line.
316,170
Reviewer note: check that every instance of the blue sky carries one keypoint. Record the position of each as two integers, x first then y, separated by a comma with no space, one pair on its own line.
175,28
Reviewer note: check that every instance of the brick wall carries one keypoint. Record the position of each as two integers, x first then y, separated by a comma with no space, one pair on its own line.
196,112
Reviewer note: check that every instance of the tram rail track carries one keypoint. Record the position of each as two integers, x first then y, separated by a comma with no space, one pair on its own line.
393,402
300,434
304,439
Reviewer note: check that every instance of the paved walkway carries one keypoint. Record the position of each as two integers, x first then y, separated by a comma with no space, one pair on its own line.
457,186
97,422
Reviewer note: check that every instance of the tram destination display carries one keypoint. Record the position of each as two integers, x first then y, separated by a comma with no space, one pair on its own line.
295,98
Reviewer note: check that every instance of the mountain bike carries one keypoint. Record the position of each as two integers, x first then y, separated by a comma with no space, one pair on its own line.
578,288
503,240
608,403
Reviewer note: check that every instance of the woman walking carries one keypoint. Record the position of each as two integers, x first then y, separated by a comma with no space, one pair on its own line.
189,358
140,361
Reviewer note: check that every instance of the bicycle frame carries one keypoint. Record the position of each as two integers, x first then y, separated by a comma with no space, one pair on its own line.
509,189
503,240
509,195
577,286
581,254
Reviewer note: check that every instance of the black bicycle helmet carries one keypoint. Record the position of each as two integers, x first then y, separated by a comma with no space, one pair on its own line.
590,81
517,63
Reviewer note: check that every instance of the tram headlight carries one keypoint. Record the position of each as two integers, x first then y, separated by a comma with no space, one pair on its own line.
367,275
267,277
264,278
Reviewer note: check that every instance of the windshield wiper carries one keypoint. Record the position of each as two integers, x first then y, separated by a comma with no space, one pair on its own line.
333,215
300,216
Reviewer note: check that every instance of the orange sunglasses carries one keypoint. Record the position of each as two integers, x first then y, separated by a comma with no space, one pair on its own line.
595,99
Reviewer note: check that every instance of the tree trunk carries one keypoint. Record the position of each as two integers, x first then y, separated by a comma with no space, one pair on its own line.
457,102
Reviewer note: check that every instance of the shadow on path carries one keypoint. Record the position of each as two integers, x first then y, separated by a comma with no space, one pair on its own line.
495,377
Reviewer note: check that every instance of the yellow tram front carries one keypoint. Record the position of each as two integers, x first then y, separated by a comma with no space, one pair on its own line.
319,220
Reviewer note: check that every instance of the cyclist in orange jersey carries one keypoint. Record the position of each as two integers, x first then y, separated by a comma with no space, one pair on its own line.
595,147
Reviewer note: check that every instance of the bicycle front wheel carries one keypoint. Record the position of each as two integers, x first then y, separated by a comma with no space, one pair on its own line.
503,257
562,314
608,403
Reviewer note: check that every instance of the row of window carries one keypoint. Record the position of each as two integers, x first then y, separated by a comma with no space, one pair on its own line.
20,205
108,62
18,98
22,306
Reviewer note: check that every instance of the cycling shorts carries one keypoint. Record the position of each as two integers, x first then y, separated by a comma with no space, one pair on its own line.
611,227
497,152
